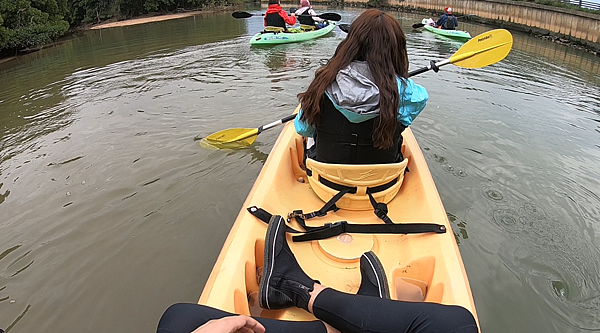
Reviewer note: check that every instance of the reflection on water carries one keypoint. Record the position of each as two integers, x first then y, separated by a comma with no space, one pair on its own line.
103,186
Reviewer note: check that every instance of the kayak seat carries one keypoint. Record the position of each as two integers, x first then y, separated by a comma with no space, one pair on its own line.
383,181
274,29
305,27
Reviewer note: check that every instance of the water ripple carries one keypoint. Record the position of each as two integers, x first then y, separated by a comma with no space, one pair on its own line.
101,174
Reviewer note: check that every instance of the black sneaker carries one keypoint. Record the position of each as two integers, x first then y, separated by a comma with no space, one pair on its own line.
283,284
373,280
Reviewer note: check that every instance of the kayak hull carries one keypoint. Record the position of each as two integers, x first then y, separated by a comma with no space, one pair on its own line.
457,34
270,38
420,267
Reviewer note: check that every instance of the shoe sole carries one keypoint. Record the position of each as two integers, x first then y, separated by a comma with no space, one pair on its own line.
269,259
377,267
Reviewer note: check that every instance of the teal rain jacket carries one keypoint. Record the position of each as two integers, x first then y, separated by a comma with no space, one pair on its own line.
356,96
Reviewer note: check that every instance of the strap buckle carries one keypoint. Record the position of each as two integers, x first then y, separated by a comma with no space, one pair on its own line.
294,214
300,214
328,230
337,224
381,210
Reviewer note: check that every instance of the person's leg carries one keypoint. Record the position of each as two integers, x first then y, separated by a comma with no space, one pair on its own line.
285,284
186,317
356,313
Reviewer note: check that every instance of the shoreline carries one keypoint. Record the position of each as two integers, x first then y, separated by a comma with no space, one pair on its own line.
3,60
148,19
157,17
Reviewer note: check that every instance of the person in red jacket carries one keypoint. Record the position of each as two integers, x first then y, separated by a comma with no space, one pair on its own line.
277,17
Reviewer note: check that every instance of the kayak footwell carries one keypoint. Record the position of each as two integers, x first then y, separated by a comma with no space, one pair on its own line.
410,282
419,267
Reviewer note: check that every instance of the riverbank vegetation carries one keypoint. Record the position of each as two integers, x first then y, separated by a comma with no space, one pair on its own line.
25,24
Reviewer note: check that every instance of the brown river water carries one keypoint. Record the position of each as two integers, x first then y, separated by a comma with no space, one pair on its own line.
110,211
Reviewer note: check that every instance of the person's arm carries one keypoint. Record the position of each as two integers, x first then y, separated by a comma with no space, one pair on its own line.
314,15
231,324
455,21
413,98
441,21
303,128
291,20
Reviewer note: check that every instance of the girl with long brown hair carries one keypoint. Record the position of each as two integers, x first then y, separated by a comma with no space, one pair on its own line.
360,102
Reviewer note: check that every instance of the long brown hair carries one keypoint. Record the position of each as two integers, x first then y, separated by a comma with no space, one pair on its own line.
374,37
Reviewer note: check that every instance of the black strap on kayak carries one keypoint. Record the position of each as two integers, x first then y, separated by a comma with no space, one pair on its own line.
380,209
337,228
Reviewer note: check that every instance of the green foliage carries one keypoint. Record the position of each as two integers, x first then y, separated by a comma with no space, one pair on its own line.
375,3
92,11
4,32
28,23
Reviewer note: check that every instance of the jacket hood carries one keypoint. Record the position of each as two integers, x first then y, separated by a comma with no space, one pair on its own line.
354,89
274,8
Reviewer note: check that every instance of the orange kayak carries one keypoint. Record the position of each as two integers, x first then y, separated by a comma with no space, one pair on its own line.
419,267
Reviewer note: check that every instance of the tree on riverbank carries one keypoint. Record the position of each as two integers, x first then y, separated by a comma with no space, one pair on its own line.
29,23
25,23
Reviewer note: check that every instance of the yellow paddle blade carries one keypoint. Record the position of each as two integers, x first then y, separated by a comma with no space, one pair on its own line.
234,134
215,145
230,138
484,49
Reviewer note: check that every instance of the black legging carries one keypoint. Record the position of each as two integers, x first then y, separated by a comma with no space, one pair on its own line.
347,313
186,317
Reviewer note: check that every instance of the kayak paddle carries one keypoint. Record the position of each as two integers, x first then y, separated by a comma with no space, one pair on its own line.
482,50
325,16
329,16
421,25
344,27
240,137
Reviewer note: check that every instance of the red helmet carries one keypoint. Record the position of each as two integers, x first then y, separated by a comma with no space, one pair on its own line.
448,10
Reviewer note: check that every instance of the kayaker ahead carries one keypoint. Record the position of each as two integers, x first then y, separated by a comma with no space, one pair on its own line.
277,17
360,102
307,16
447,21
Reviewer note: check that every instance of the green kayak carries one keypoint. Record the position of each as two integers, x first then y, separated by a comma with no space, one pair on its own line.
270,38
459,34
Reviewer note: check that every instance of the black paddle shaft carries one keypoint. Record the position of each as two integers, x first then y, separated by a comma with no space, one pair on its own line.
325,16
432,65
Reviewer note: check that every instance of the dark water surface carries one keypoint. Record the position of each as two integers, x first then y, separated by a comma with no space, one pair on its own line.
110,212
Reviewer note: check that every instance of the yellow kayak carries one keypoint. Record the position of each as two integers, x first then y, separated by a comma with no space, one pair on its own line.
419,267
